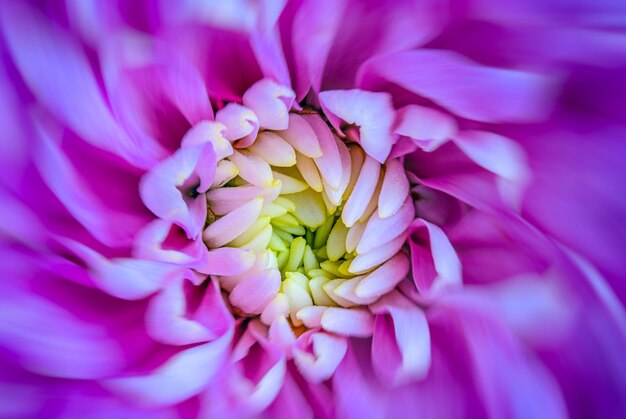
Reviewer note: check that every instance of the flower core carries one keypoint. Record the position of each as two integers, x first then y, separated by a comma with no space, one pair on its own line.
319,223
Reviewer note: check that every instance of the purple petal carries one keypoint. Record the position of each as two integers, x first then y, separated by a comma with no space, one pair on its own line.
461,85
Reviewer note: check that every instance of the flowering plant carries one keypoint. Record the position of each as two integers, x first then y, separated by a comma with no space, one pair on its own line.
312,208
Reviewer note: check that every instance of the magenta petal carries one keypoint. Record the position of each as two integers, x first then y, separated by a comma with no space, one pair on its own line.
436,265
52,65
372,112
182,376
50,340
461,85
160,188
429,128
401,340
499,155
315,24
167,320
161,240
126,278
108,226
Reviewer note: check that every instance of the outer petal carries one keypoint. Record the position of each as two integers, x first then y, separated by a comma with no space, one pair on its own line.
182,376
401,340
168,319
435,263
460,85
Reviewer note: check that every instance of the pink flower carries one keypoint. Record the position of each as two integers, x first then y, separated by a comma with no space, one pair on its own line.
312,209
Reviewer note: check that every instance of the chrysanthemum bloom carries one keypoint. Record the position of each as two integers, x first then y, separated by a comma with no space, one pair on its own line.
312,209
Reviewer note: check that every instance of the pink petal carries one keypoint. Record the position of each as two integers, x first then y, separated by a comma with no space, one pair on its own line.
435,263
301,136
271,103
428,127
228,261
167,320
355,322
255,292
384,278
395,189
461,85
161,240
328,351
182,376
499,155
160,188
362,193
240,122
109,227
232,224
252,168
50,340
366,261
212,132
129,279
381,230
224,200
401,341
315,25
311,316
52,65
329,163
371,111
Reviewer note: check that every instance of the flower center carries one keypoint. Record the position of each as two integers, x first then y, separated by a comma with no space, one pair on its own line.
324,221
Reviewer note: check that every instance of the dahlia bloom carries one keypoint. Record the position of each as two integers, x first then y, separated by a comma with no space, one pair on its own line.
312,208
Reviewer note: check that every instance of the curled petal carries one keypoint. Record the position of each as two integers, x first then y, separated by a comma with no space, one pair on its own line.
168,189
435,264
161,240
328,351
211,132
241,123
401,340
371,111
233,224
362,192
271,103
167,319
126,278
